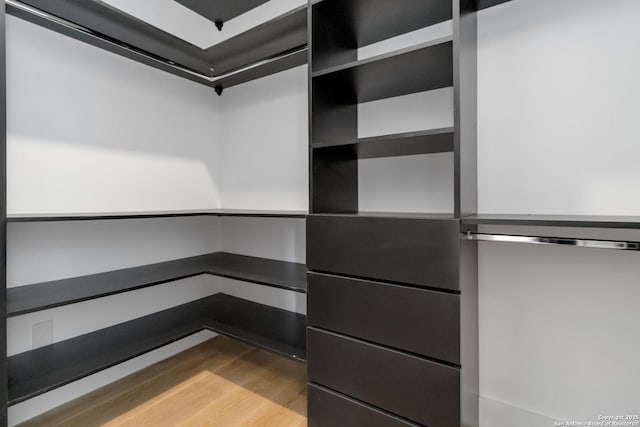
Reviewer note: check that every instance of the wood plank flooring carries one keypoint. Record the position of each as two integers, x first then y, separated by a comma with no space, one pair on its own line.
221,382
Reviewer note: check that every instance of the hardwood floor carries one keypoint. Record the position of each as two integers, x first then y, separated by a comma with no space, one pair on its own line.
221,382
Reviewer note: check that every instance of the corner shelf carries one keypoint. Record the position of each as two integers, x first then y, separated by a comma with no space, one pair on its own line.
95,216
419,68
402,144
41,296
583,221
281,34
41,370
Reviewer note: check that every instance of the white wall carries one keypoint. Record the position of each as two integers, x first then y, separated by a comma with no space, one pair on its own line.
558,100
266,139
558,93
83,139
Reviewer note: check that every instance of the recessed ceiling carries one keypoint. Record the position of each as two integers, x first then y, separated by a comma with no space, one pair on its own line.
221,10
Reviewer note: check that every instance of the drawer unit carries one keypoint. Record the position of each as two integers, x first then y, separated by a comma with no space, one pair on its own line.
411,387
417,320
418,251
327,408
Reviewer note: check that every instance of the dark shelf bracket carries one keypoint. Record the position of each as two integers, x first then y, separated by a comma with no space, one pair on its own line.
219,89
219,24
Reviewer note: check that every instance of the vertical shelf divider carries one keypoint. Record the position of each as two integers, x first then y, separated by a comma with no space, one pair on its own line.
3,220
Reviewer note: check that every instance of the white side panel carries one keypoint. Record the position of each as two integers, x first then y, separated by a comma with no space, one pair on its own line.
265,149
91,131
408,113
556,334
421,183
274,238
558,93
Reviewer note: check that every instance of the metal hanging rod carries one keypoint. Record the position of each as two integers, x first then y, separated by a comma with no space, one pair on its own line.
18,8
557,241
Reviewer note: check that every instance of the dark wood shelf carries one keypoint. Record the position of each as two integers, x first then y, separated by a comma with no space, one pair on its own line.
402,144
267,272
340,27
281,34
94,216
583,221
483,4
273,329
37,371
420,68
221,10
399,215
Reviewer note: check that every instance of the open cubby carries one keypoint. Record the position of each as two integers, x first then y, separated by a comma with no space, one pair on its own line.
339,27
420,68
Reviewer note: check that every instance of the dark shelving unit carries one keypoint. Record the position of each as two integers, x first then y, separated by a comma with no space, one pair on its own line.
414,69
95,216
42,296
402,144
367,341
343,27
585,221
37,371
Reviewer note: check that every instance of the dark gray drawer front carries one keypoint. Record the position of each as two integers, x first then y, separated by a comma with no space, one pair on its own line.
416,251
329,409
416,320
413,388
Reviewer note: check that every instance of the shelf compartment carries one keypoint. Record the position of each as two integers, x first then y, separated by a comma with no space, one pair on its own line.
95,216
42,296
41,370
281,34
402,144
583,221
420,68
340,27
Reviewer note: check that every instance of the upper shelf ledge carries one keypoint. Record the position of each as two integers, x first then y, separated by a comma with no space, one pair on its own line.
584,221
94,216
